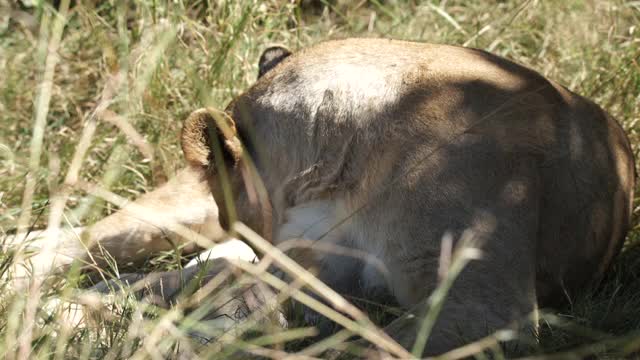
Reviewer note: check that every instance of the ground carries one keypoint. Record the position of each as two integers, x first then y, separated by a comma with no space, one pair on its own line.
95,94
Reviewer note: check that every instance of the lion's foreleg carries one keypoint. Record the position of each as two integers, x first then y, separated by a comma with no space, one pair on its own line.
146,226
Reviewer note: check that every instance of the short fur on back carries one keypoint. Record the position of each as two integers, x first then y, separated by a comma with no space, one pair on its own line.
398,144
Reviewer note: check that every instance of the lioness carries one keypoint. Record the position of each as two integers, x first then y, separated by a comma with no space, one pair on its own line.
389,147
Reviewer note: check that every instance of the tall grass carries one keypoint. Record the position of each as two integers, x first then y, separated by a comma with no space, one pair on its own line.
94,93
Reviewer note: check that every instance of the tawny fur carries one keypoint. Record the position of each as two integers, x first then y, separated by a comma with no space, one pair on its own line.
413,141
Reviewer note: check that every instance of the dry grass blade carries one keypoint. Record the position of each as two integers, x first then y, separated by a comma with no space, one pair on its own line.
476,348
41,110
461,257
59,200
328,343
132,134
364,327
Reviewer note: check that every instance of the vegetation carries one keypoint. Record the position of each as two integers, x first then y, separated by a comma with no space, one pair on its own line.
95,92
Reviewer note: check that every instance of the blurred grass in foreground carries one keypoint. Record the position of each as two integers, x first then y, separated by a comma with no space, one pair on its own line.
109,103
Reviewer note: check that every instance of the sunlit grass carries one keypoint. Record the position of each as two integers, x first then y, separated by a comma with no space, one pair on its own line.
94,98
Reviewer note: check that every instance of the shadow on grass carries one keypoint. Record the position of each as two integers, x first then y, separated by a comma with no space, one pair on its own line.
604,321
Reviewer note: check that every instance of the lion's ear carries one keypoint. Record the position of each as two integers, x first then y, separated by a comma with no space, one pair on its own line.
271,57
208,134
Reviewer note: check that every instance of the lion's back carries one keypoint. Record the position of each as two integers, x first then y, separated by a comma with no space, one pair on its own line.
392,102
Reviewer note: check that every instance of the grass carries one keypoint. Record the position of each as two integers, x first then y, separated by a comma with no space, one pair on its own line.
106,108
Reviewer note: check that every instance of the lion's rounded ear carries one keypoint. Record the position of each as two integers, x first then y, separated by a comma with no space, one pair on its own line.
208,132
271,57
